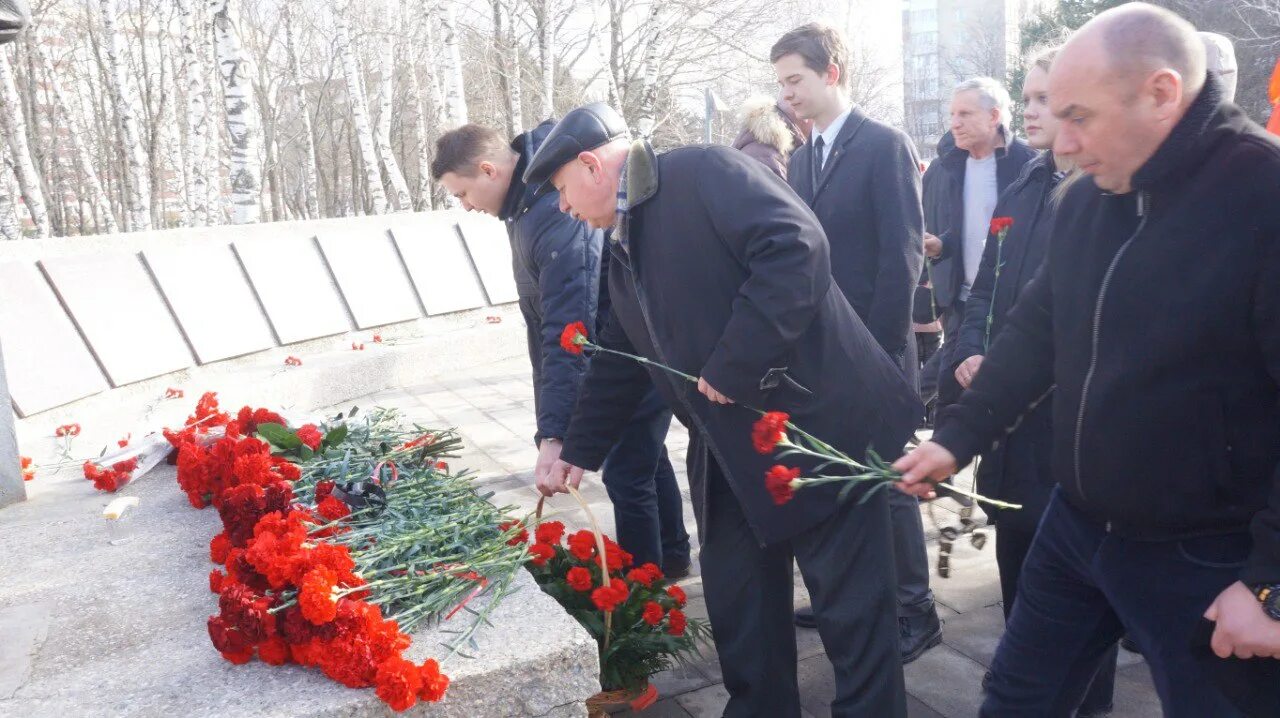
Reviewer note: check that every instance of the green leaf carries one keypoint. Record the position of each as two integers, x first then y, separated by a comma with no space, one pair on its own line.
336,436
305,452
279,435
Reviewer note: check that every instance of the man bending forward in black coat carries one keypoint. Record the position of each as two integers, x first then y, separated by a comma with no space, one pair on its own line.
719,271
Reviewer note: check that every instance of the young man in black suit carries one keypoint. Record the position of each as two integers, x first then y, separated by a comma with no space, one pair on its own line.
861,178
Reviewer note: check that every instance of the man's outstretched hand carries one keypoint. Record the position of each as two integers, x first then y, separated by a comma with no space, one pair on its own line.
923,467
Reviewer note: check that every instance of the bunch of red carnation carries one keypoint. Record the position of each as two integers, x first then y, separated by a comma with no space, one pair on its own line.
285,594
646,609
110,479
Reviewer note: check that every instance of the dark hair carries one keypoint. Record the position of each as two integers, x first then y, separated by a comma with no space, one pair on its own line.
818,45
460,151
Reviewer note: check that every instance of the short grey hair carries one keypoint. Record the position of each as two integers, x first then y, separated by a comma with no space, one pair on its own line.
992,94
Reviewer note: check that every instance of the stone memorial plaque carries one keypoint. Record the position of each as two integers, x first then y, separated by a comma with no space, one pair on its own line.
120,313
214,304
491,251
294,286
46,361
370,275
437,261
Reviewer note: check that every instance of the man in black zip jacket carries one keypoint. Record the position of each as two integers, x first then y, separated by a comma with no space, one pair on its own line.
1157,317
558,265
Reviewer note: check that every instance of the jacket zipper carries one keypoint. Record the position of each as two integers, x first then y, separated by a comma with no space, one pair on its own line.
1097,330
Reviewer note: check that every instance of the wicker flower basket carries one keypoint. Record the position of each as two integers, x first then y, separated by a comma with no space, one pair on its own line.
636,699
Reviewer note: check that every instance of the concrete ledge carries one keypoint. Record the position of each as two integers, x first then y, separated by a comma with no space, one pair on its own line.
124,630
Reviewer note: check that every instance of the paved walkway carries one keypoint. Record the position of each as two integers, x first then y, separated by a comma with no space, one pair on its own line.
492,407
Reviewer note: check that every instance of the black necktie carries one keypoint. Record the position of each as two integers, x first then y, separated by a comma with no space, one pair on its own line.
817,160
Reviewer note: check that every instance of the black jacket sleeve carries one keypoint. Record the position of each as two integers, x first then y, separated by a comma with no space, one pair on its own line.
900,227
1264,563
566,256
1017,371
611,392
788,262
972,337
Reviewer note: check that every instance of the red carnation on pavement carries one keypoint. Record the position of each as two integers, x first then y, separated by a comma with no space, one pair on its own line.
172,393
1000,224
316,596
292,361
540,553
778,482
398,682
434,683
324,489
769,430
549,532
676,622
678,594
308,434
377,338
215,581
653,613
573,337
219,547
274,651
67,430
578,578
28,471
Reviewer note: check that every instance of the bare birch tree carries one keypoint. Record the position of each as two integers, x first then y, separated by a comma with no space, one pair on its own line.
84,161
10,228
386,93
360,116
197,115
455,100
15,122
547,52
137,177
649,71
244,128
310,189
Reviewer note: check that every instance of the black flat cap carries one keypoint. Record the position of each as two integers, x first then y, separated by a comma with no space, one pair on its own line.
583,129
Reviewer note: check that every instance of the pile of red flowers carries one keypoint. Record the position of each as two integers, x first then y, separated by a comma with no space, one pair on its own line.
648,628
287,595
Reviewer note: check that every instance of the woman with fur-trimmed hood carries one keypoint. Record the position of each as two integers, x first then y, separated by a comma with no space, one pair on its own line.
770,132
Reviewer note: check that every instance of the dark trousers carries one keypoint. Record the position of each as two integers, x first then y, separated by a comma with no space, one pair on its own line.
1082,588
949,389
648,511
847,566
1012,544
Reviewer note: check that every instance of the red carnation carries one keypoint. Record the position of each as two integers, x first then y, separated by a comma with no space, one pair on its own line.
219,547
653,613
292,361
582,545
274,651
645,575
316,595
678,594
608,598
28,471
323,489
778,481
520,536
67,430
615,557
332,509
549,532
578,578
573,337
541,553
215,581
398,682
769,430
309,435
676,622
1000,224
434,683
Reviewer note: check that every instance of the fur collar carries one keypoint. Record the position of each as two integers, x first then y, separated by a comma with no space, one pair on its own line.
642,173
